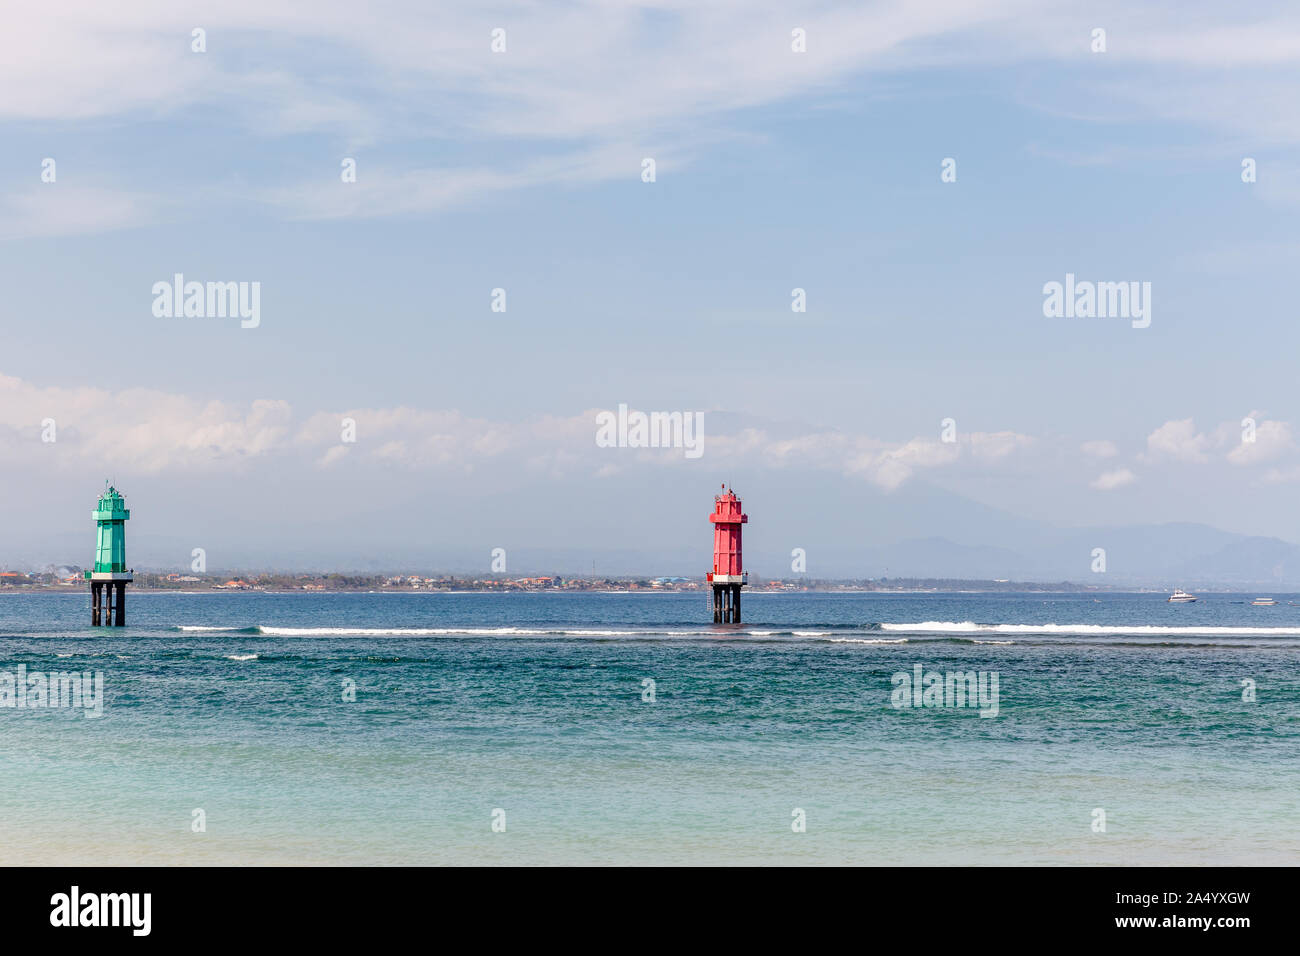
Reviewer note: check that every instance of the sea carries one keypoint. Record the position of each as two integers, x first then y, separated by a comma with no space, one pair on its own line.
553,728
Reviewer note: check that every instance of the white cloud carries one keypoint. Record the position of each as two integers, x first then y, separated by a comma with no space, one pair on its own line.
886,464
1178,440
1110,480
157,431
1273,440
140,429
333,455
1099,449
995,445
889,468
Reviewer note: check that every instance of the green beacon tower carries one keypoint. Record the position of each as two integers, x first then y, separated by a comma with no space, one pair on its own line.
109,579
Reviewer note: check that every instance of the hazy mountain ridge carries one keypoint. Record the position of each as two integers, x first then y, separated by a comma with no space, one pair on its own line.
917,531
1171,554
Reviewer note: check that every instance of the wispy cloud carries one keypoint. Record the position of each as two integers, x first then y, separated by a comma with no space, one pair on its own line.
44,210
582,91
384,191
1110,480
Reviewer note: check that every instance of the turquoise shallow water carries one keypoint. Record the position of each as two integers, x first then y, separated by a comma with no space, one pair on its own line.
533,704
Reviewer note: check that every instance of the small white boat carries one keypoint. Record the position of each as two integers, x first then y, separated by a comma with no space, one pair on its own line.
1181,597
1263,602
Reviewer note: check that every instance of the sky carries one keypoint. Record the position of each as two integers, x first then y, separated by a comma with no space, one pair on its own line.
794,147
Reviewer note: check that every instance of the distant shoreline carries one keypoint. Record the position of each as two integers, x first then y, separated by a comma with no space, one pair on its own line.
615,589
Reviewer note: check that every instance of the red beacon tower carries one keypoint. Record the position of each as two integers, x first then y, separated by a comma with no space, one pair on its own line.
728,575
